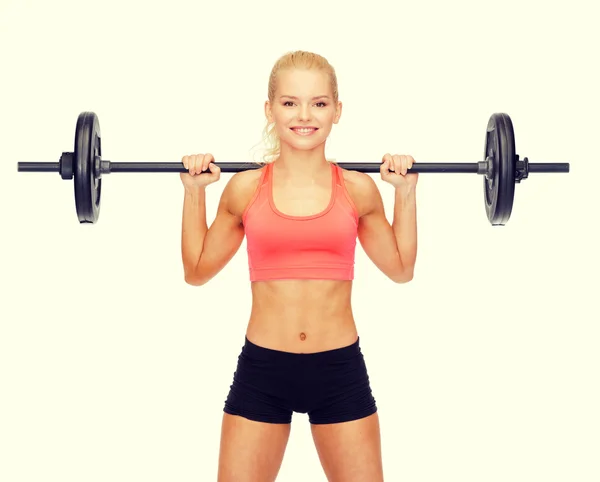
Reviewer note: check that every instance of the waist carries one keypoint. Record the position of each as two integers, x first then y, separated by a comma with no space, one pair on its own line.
302,316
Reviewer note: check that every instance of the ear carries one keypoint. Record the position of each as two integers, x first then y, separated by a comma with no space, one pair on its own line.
338,113
268,113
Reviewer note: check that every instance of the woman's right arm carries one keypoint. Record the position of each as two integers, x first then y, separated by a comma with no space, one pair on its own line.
206,251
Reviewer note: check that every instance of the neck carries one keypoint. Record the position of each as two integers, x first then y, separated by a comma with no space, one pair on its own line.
301,163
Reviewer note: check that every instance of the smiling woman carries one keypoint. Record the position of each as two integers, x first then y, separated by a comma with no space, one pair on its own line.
302,216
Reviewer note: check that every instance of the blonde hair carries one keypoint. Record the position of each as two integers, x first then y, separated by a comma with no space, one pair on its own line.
297,59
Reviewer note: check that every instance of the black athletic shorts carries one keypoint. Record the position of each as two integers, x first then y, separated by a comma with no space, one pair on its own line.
331,386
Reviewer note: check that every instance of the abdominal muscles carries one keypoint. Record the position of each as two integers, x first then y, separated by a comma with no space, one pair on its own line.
301,316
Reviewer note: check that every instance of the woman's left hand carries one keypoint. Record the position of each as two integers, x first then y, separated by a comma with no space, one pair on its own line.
394,170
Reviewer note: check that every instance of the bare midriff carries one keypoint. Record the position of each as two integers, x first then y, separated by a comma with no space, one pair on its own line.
301,316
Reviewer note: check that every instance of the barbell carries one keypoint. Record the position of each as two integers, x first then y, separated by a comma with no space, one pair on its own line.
501,168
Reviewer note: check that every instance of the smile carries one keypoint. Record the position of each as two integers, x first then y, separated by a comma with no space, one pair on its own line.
304,131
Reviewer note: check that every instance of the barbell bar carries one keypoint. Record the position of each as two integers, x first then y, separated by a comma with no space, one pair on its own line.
501,168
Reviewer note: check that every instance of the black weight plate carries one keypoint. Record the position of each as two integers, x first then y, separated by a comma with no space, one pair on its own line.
499,189
87,183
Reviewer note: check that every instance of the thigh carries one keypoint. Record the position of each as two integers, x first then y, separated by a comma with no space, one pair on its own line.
350,451
251,451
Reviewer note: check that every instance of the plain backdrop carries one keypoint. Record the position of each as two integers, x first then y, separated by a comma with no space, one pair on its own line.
485,367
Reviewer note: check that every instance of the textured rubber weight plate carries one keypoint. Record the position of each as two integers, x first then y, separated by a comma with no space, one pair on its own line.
87,178
499,187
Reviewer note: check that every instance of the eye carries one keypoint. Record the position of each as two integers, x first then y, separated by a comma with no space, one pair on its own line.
322,104
287,102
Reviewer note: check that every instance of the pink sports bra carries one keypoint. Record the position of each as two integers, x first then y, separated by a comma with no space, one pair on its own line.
319,246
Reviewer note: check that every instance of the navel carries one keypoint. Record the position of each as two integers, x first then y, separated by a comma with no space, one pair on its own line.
302,336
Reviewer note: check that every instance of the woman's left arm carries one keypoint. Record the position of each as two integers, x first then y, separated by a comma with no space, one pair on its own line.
393,249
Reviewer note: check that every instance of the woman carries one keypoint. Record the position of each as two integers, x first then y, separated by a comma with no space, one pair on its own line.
301,215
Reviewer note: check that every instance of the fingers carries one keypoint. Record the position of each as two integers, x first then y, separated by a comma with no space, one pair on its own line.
409,162
198,163
206,160
400,164
214,168
386,165
215,172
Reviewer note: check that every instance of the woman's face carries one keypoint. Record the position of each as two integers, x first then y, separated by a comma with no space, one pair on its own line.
303,109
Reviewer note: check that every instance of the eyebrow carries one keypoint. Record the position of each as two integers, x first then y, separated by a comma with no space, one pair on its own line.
296,98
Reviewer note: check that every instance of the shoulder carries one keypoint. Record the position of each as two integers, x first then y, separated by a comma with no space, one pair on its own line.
240,189
362,190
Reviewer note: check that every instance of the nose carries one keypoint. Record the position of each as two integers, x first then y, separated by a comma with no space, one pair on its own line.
304,113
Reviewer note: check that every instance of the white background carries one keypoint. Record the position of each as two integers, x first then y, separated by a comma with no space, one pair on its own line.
485,367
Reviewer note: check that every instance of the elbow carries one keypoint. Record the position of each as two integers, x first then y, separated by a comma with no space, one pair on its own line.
402,279
404,276
194,279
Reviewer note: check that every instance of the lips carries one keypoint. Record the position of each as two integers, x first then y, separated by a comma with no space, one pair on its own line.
304,131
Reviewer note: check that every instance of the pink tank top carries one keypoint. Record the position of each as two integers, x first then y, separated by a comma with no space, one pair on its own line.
319,246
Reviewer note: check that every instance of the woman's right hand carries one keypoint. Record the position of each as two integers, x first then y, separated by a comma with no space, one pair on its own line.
196,164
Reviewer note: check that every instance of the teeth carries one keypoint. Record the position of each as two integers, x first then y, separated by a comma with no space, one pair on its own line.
304,130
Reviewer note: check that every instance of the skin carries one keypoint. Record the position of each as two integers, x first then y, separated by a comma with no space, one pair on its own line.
300,316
